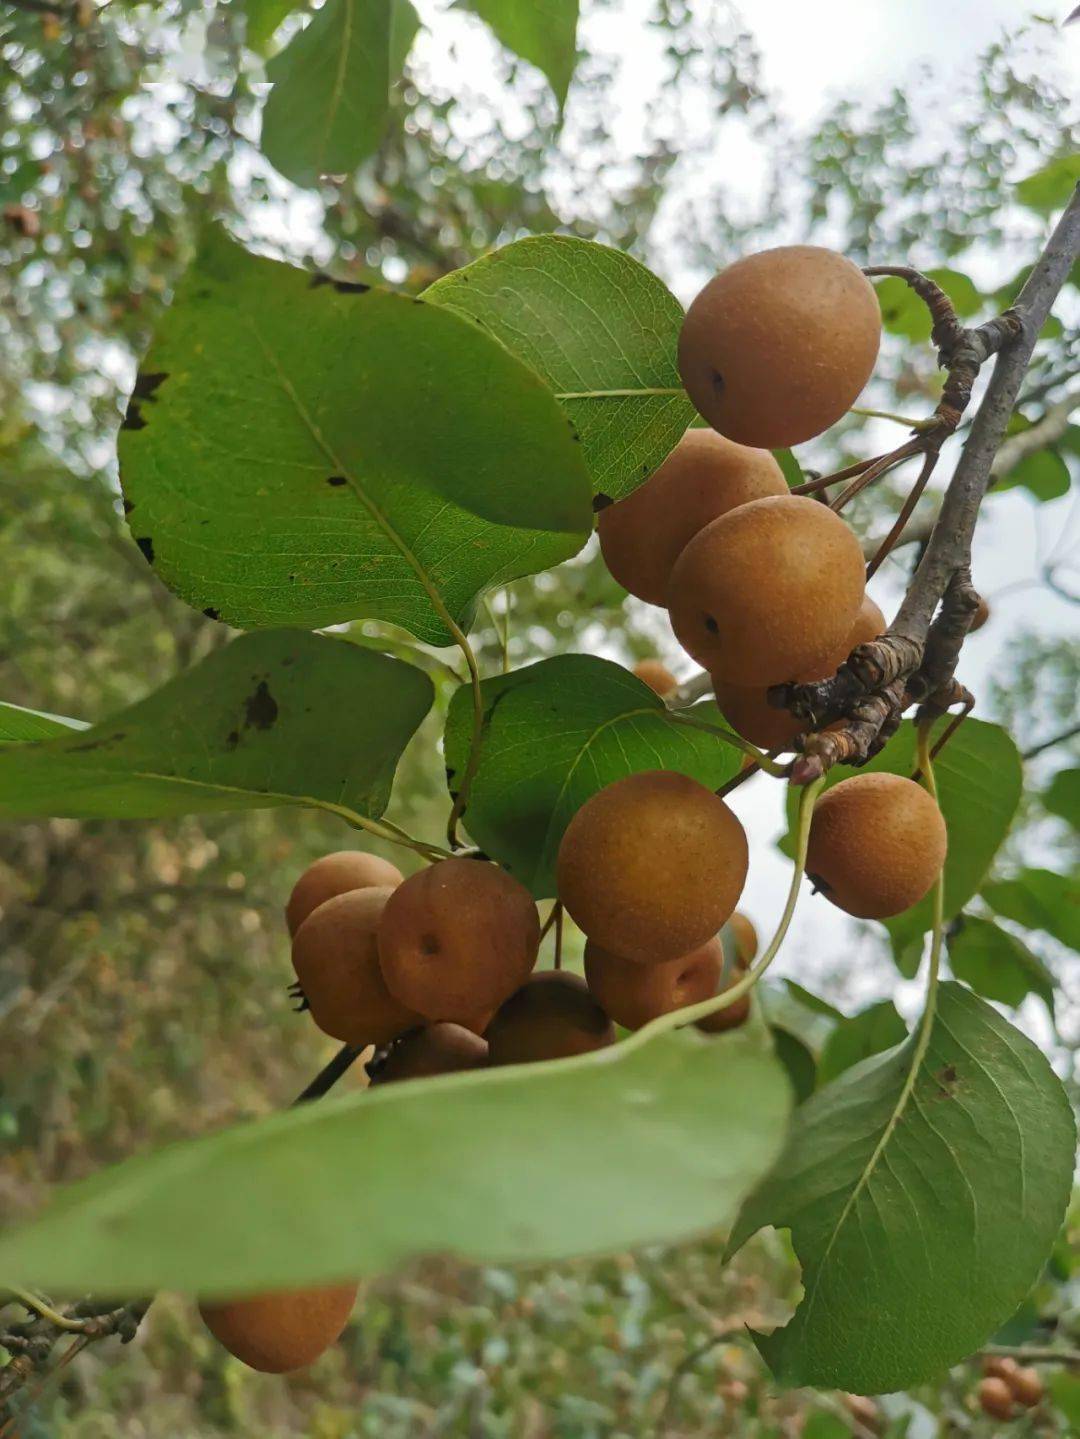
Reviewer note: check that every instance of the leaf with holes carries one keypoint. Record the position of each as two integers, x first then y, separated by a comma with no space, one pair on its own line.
603,1152
17,724
299,453
543,32
281,717
920,1219
553,735
601,330
995,963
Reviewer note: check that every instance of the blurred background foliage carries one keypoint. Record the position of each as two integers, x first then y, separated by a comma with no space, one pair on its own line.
144,969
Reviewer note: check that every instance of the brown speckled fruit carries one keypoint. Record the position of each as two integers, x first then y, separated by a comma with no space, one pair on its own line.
435,1049
777,347
703,478
651,866
763,593
982,614
551,1016
1026,1387
336,959
877,844
336,874
633,993
995,1398
457,938
747,709
1000,1366
656,675
279,1332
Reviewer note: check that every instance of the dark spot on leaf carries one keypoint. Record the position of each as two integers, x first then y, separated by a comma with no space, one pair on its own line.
146,545
261,709
450,773
343,287
128,507
337,480
947,1079
232,739
147,382
133,419
601,502
99,743
711,625
211,613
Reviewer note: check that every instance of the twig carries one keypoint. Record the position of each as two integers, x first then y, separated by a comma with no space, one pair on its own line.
1056,739
329,1075
1031,1354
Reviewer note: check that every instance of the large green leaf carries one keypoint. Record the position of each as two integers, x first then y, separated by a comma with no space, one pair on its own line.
555,733
1043,474
996,964
870,1032
1062,796
281,717
622,1147
920,1225
1040,899
544,32
17,724
1050,187
299,453
601,330
979,778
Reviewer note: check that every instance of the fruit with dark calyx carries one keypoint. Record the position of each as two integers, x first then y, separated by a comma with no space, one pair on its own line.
651,866
657,676
995,1398
877,844
777,347
551,1016
764,592
748,711
335,955
336,874
1026,1387
435,1049
458,938
277,1333
703,477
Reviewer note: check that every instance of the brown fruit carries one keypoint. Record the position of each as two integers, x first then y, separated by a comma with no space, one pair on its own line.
1026,1387
777,347
763,593
633,993
336,874
657,676
551,1016
995,1398
747,709
336,959
877,844
286,1330
703,477
457,938
745,936
652,866
1000,1366
982,614
435,1049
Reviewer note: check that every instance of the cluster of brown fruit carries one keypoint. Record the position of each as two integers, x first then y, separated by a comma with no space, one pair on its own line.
1007,1389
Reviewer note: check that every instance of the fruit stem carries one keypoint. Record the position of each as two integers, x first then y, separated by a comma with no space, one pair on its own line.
763,760
888,415
46,1311
330,1073
619,394
462,797
385,829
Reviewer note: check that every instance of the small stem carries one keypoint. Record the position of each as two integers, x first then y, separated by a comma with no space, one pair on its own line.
329,1075
1056,739
462,797
383,829
813,487
760,758
885,549
558,935
748,772
1031,1353
550,919
876,471
887,415
46,1311
618,394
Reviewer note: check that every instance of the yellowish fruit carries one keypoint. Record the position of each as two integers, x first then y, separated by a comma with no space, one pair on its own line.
745,936
763,593
286,1330
703,477
336,959
651,866
336,874
877,844
435,1049
657,676
551,1016
777,347
633,993
1026,1387
995,1398
982,614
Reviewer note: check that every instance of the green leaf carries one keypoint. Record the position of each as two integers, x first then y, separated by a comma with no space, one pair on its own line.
281,717
790,466
903,313
295,454
18,724
1050,187
328,106
870,1032
1040,899
920,1225
589,320
1062,796
979,778
616,1149
404,23
1065,1391
555,733
800,1024
544,32
264,19
1045,474
996,964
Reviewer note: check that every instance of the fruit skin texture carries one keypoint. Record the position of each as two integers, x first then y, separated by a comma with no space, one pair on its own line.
336,874
995,1398
703,477
276,1333
656,675
877,844
747,709
651,866
336,959
633,993
777,347
435,1049
745,935
457,938
767,592
551,1016
1000,1366
1026,1387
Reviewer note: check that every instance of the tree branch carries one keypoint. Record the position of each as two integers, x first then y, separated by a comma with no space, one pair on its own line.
1029,442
